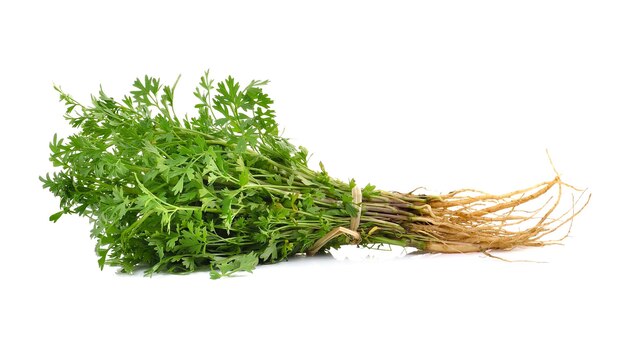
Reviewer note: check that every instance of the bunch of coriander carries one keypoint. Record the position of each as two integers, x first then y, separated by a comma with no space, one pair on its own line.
224,191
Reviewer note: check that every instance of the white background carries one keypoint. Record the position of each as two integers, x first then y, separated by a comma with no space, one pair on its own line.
441,94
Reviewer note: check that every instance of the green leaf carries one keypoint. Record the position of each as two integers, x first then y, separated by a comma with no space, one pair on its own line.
189,263
179,186
269,252
102,254
234,264
214,275
171,243
56,216
369,191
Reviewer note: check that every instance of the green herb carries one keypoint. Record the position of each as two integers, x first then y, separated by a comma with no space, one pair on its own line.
223,191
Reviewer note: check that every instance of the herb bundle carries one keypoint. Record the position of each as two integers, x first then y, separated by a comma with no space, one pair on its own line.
224,191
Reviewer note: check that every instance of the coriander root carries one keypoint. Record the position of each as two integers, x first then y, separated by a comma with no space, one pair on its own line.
471,221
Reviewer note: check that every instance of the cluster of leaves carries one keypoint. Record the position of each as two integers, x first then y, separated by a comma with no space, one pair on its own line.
221,191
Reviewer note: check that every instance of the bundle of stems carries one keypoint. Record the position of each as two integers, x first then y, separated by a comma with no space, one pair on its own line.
224,191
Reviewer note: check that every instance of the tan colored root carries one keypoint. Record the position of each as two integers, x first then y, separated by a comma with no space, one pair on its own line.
472,221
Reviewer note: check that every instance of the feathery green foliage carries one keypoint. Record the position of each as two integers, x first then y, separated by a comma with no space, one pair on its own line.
222,190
